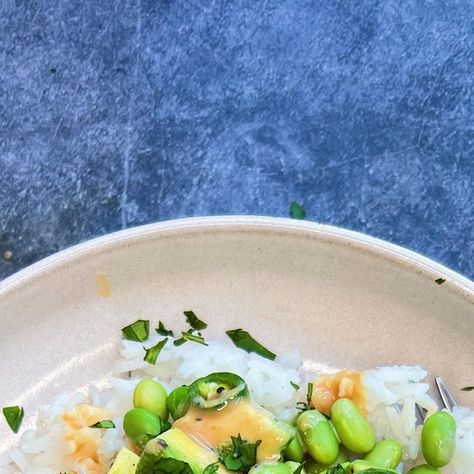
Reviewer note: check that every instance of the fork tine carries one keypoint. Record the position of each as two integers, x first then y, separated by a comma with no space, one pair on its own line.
420,414
446,396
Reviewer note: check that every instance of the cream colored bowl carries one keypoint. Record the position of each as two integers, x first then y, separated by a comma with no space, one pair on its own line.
345,299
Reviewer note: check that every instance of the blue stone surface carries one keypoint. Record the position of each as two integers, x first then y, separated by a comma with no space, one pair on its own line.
115,113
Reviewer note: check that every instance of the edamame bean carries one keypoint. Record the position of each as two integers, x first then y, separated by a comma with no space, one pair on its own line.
361,465
177,402
386,454
295,450
318,437
353,428
141,425
438,439
424,469
270,468
151,395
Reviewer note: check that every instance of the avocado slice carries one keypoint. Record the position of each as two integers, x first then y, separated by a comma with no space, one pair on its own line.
219,408
176,445
253,423
125,463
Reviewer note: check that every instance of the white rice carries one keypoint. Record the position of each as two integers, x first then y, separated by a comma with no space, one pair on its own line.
391,396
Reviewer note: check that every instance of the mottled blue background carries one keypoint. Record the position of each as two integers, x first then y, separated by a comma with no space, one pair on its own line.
119,113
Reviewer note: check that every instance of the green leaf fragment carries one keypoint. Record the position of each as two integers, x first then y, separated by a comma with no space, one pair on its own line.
137,331
243,340
180,341
469,388
14,416
296,211
211,469
152,353
299,469
336,470
165,426
440,281
309,393
162,331
168,466
239,455
105,424
194,321
303,406
189,336
295,385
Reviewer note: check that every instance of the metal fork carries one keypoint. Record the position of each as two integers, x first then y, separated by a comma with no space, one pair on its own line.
447,399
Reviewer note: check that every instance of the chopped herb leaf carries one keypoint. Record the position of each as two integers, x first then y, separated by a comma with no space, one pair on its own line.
339,469
180,341
189,336
296,211
440,281
239,455
211,469
14,416
166,466
245,341
194,321
165,426
303,406
162,331
137,331
105,424
309,393
299,469
153,352
295,386
470,388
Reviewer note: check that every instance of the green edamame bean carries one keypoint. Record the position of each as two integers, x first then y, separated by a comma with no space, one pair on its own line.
270,468
295,450
141,425
386,454
438,439
353,428
318,437
361,465
151,395
424,469
178,402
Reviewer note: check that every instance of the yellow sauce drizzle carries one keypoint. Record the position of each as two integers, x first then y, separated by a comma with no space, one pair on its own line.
103,284
212,428
344,384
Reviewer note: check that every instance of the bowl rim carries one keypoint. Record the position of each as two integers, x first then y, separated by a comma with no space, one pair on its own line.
393,252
